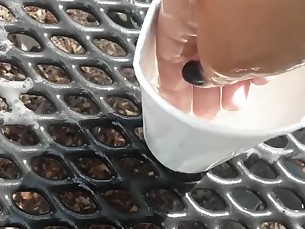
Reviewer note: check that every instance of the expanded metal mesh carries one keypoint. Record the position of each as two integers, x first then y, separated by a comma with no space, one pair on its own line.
72,149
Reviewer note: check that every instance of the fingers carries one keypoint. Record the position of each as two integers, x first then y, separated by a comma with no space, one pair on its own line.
175,44
234,96
206,102
261,80
175,90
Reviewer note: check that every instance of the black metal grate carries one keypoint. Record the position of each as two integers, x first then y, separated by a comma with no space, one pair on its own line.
72,149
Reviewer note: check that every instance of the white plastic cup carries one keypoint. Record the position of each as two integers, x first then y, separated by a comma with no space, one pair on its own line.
186,144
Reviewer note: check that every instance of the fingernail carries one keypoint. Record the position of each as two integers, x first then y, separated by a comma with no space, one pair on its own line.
192,73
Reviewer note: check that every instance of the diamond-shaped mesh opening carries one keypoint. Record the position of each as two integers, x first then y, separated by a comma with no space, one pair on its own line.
137,167
40,14
73,153
94,167
31,202
53,73
110,46
273,224
11,71
127,20
20,134
83,17
82,104
248,199
209,199
129,74
260,167
8,169
225,170
38,103
165,201
123,106
66,135
295,167
25,42
6,14
49,167
121,200
79,201
109,136
289,198
279,142
96,75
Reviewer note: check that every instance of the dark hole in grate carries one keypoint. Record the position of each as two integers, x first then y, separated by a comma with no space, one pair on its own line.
139,132
273,225
300,135
66,135
53,74
109,136
96,75
8,169
146,226
49,168
94,167
295,167
209,199
101,226
31,202
248,199
83,17
191,225
235,225
137,167
225,170
129,74
82,104
38,103
278,142
110,47
68,45
260,167
124,19
135,42
3,105
25,42
121,200
165,201
41,15
78,201
5,14
11,72
56,227
289,199
20,134
123,106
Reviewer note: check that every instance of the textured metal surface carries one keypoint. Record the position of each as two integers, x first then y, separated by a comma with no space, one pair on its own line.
130,189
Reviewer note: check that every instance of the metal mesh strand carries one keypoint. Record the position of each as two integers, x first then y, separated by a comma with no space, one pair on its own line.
72,150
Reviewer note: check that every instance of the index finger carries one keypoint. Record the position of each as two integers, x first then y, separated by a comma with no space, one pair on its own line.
176,45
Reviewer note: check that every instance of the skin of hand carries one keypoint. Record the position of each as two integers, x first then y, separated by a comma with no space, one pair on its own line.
193,30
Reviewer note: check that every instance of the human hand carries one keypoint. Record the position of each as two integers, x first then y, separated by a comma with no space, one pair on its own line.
181,40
